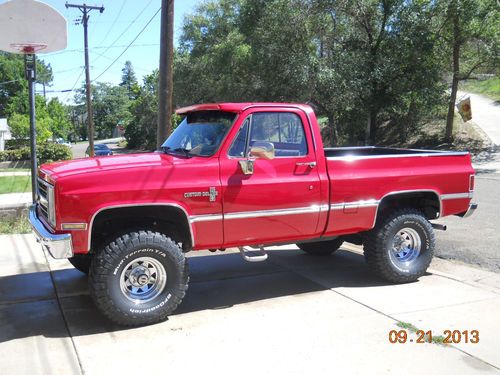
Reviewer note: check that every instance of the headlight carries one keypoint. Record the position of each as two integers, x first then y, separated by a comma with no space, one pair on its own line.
52,206
46,200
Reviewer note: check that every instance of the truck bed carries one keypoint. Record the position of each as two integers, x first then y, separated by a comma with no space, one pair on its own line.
362,177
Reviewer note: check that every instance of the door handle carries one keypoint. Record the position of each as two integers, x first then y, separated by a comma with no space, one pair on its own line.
310,164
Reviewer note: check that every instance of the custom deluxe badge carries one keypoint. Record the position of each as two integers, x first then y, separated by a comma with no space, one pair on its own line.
211,194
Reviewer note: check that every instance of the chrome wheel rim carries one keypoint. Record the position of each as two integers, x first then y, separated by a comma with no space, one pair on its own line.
143,279
406,245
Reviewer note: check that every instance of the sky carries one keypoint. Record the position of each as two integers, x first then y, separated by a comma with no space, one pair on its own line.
109,34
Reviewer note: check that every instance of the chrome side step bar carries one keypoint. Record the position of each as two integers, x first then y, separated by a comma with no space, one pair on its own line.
260,256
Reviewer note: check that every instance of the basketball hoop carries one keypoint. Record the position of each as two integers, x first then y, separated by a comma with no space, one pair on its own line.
28,27
28,48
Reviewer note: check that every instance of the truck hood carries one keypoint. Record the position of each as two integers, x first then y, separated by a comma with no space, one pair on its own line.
57,170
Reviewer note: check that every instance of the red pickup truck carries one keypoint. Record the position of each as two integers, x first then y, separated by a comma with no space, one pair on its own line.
244,175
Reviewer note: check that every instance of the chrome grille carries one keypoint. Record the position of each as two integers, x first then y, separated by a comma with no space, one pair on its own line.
43,199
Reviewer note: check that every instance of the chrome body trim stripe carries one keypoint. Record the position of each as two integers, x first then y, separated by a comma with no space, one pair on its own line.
262,213
283,212
140,205
457,196
355,204
209,217
425,154
324,207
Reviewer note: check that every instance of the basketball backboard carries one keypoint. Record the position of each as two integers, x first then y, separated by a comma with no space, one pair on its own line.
29,26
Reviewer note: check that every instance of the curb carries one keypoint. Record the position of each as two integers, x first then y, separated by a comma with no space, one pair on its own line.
15,164
14,210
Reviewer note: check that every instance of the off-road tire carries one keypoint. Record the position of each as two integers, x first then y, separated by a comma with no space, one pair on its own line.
81,262
108,267
321,248
379,243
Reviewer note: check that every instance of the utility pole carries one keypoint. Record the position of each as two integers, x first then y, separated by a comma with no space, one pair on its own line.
166,74
85,9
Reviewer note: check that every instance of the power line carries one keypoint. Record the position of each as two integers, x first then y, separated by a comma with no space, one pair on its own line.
114,22
14,80
121,54
100,47
68,70
74,85
128,27
122,61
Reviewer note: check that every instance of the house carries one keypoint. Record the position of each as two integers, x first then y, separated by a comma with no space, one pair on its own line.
4,133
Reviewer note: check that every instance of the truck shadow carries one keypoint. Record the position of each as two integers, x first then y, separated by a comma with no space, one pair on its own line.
28,304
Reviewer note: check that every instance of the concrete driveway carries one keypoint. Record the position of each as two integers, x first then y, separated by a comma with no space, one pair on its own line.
294,314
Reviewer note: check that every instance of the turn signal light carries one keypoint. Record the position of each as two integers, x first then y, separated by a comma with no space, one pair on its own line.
74,226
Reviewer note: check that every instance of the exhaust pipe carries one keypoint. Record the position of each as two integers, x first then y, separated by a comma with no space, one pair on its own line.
438,226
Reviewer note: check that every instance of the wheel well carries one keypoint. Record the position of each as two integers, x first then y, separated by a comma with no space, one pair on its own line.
170,220
425,201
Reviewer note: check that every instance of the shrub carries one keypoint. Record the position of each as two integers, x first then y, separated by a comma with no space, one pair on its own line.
50,152
46,153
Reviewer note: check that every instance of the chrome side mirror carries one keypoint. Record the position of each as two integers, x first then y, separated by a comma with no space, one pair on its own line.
262,150
247,166
259,150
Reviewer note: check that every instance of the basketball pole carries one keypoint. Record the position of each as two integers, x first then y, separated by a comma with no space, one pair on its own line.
30,74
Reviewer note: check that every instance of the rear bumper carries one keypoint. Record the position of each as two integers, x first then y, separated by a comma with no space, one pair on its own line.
59,246
470,211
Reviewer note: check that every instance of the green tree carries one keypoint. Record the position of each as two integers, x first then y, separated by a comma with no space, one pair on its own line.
141,130
44,75
361,63
110,106
210,62
60,124
20,123
471,31
13,85
129,80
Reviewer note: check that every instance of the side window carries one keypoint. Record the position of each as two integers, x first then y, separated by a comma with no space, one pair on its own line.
285,130
240,141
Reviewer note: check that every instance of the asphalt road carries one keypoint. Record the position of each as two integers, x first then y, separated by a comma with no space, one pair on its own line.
79,149
476,239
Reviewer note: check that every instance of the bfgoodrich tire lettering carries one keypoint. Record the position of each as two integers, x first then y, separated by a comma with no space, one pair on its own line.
133,265
401,246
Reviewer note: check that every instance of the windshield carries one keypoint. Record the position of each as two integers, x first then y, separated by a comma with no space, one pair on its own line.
199,134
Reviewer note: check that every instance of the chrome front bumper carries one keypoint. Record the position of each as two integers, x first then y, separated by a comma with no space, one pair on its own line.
58,245
470,211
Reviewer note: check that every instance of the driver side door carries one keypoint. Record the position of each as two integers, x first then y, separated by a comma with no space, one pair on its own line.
280,201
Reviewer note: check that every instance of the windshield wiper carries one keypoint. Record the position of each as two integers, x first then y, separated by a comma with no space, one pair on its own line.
177,150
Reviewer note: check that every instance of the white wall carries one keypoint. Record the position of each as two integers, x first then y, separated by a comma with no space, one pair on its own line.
4,133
